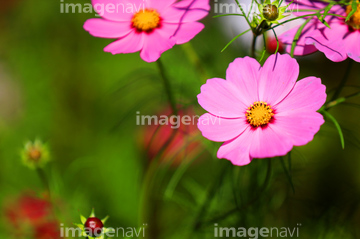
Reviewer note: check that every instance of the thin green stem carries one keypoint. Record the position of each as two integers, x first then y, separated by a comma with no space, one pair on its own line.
195,60
43,178
288,173
257,32
297,36
277,41
264,48
232,40
167,86
243,12
210,196
251,7
248,204
253,46
339,101
303,16
343,81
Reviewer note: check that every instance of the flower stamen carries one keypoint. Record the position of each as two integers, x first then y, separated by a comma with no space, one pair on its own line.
146,20
259,114
354,20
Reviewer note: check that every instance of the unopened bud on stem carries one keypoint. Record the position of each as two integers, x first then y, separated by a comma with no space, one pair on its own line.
271,12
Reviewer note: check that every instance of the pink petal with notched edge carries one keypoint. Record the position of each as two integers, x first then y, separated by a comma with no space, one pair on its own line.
332,42
115,10
277,78
195,9
238,150
183,15
353,45
311,5
220,97
128,44
299,127
157,42
187,31
107,29
244,74
301,48
195,4
159,5
269,142
307,4
307,95
220,129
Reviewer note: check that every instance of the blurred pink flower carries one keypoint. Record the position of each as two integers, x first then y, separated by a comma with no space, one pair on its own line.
173,144
259,111
338,42
47,230
31,216
152,27
28,208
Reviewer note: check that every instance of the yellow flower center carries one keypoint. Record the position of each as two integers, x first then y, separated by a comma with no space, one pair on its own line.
146,20
354,20
34,154
259,113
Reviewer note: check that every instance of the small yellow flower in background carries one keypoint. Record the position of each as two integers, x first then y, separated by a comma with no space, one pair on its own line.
35,154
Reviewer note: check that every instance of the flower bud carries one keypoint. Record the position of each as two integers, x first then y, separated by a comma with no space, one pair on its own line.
270,12
93,227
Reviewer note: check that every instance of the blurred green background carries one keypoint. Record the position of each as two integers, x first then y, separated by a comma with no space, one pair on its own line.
57,84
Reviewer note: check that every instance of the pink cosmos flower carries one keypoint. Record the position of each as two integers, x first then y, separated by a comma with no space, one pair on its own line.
337,43
48,230
28,208
149,26
31,216
173,142
261,112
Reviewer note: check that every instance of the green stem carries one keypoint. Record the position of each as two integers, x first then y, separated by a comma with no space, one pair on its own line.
343,81
297,36
43,178
167,86
195,60
253,46
148,192
303,16
243,12
339,101
257,32
287,172
248,204
209,198
251,7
